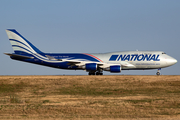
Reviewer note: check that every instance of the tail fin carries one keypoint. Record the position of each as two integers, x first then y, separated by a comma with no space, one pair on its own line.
20,44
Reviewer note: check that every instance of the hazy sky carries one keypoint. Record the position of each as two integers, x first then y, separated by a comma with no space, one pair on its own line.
90,26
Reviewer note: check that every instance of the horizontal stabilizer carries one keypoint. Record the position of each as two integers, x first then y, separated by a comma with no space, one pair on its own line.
19,56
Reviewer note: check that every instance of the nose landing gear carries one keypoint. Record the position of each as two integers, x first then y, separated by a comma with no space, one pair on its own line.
158,72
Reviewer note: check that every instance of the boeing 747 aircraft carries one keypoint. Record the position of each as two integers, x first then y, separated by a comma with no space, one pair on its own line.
95,64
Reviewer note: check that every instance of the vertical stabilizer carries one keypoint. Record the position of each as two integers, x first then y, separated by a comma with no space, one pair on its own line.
20,44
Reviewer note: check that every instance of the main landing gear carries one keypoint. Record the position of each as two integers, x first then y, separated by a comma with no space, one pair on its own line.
92,73
99,73
96,73
158,72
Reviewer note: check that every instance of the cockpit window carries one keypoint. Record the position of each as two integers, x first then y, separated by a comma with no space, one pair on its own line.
163,53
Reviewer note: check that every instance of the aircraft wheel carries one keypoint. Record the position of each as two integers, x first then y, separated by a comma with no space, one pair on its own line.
158,73
97,73
91,73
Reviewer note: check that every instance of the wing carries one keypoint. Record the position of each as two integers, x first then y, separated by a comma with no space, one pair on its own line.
126,64
80,63
107,65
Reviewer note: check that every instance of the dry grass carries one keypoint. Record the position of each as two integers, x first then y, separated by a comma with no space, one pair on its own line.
89,97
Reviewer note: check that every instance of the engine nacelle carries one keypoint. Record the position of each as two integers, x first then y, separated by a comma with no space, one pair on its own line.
115,69
91,66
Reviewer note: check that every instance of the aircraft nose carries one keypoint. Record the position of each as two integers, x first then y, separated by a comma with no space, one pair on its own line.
171,61
175,61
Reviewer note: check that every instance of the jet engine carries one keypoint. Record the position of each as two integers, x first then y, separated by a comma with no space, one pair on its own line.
91,67
114,68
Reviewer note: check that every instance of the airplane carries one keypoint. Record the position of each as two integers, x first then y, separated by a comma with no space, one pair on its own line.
95,64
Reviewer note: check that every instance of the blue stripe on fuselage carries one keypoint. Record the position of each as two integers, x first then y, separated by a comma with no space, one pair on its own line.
60,64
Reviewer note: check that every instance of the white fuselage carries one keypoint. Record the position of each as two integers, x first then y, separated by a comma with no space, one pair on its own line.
138,59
